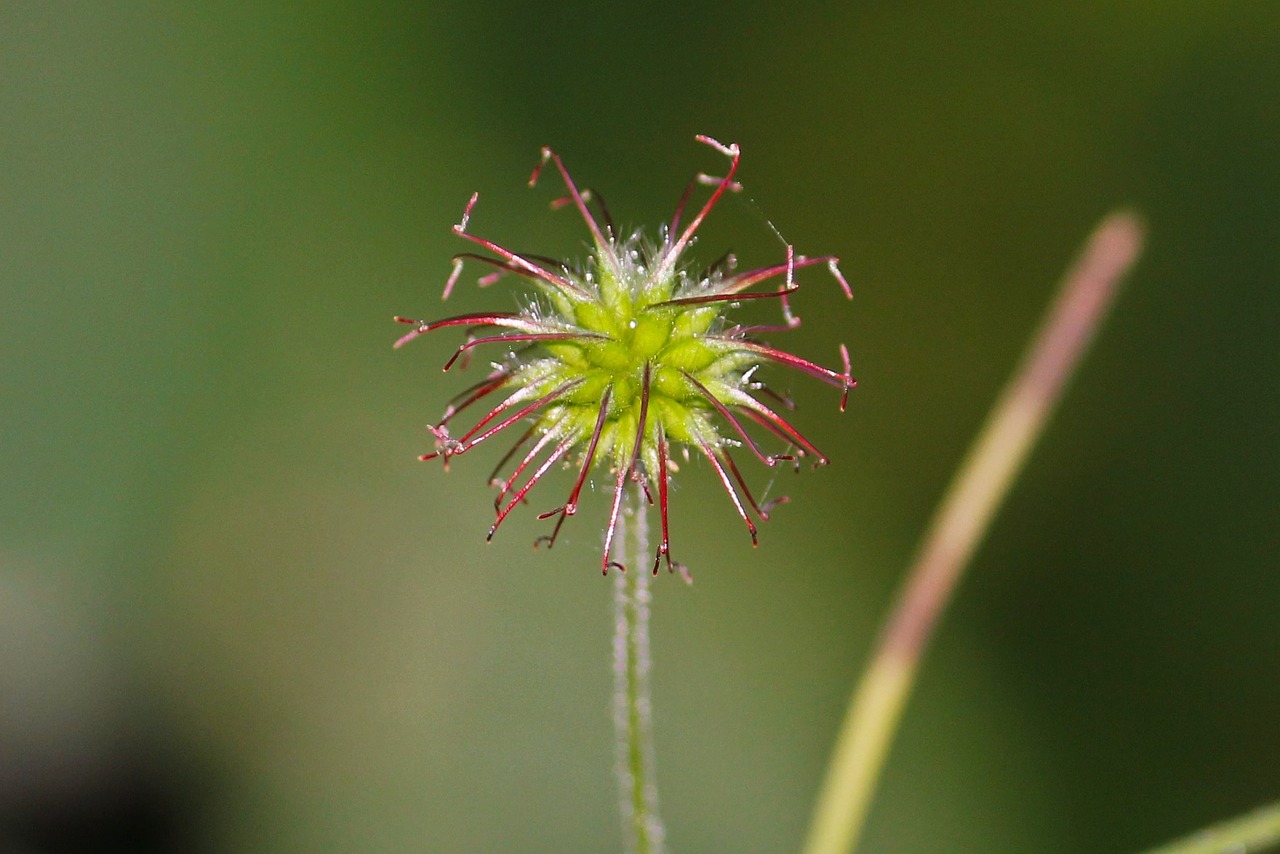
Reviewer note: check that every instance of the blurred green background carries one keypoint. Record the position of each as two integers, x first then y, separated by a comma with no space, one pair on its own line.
235,614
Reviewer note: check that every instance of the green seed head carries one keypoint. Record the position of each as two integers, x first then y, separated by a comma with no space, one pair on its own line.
625,358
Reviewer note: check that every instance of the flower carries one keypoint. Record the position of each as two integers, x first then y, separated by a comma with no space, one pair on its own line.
625,357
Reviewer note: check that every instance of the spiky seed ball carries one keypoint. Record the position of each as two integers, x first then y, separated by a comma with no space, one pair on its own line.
625,358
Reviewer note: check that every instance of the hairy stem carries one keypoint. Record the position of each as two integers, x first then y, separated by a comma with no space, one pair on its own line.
971,501
1255,831
632,709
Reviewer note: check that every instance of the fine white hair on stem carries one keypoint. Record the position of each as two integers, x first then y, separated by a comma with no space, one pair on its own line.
632,707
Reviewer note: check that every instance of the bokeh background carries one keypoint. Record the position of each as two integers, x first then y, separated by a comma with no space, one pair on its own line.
236,615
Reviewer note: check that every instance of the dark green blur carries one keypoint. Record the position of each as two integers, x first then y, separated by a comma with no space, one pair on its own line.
225,582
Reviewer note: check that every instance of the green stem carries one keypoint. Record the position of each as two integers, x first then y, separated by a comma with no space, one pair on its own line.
632,709
1255,831
971,501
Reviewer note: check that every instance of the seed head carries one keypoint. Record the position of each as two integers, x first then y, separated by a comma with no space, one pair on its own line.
626,357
